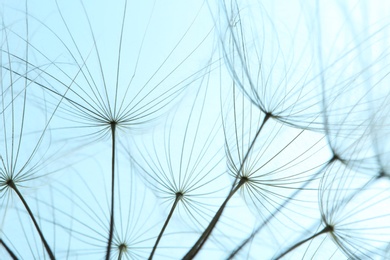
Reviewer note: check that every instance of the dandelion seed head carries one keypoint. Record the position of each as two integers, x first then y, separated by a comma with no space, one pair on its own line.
245,178
123,247
179,195
383,174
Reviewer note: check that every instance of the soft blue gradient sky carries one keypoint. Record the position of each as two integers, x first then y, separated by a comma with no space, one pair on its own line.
171,65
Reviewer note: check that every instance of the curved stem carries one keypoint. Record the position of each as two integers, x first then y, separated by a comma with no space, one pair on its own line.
324,230
111,232
178,197
12,185
9,251
266,117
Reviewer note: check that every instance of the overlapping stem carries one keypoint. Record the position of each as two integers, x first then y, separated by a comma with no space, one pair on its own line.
12,185
236,186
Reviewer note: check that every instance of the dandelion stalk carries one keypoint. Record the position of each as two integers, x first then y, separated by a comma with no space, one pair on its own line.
12,185
236,186
9,251
111,232
179,196
326,229
122,251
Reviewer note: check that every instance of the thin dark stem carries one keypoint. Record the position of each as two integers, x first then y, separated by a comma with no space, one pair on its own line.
111,232
122,250
178,197
203,238
12,185
324,230
9,251
267,116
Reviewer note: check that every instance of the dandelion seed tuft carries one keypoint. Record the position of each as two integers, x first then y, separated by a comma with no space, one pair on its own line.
179,195
382,174
328,228
122,248
11,183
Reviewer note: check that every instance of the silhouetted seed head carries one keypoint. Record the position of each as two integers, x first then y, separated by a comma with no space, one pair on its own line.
382,174
179,195
329,228
269,115
10,183
336,157
122,247
244,179
113,124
